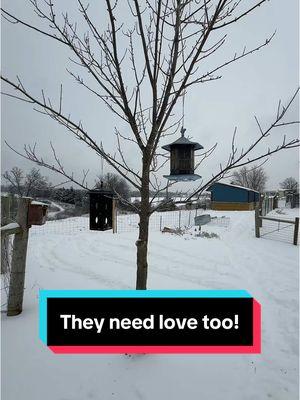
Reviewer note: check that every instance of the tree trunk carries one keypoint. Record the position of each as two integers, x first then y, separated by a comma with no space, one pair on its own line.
142,253
142,242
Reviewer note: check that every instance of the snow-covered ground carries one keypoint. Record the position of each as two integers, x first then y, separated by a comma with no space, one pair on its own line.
82,259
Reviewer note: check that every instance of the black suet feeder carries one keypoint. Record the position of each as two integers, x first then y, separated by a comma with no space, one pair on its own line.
102,209
182,153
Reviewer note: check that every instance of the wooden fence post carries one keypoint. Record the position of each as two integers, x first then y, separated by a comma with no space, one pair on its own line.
114,216
5,212
18,263
13,201
257,222
260,213
296,230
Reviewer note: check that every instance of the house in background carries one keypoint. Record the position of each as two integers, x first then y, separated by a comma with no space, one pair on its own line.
225,196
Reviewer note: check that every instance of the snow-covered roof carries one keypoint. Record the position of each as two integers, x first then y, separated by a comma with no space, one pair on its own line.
39,203
12,225
237,186
183,141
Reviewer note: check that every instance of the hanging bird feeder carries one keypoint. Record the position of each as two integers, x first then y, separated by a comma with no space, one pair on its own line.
102,210
182,159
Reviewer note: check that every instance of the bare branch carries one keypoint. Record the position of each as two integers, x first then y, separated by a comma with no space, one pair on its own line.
244,159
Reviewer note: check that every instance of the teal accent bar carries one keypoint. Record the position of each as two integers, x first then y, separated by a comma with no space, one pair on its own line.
43,315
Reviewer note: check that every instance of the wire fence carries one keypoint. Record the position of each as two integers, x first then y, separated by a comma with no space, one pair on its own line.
6,255
268,204
281,231
8,213
272,223
220,221
125,222
158,220
128,222
67,226
178,219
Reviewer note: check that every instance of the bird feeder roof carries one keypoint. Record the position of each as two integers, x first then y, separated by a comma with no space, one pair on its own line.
183,141
100,191
104,192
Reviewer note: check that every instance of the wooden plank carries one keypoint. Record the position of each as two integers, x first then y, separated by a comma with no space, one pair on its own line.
233,206
18,263
114,216
257,222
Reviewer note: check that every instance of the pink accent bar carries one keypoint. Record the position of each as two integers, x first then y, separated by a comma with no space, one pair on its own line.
153,349
254,349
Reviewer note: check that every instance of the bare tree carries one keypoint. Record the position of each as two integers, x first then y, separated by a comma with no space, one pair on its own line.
33,184
290,184
15,179
116,183
253,178
167,45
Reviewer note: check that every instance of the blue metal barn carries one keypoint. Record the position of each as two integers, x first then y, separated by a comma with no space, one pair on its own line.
225,196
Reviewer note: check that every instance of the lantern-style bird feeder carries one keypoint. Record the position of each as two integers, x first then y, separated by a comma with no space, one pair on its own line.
182,159
102,209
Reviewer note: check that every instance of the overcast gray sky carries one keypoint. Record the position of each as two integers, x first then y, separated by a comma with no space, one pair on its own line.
248,87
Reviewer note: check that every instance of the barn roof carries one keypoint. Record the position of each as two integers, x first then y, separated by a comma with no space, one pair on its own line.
231,185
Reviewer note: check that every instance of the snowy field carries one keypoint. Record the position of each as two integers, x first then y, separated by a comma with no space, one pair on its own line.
79,259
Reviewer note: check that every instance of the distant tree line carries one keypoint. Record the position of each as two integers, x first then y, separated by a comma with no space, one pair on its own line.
290,184
35,185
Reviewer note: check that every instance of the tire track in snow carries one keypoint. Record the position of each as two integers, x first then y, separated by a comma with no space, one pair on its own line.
54,262
263,283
